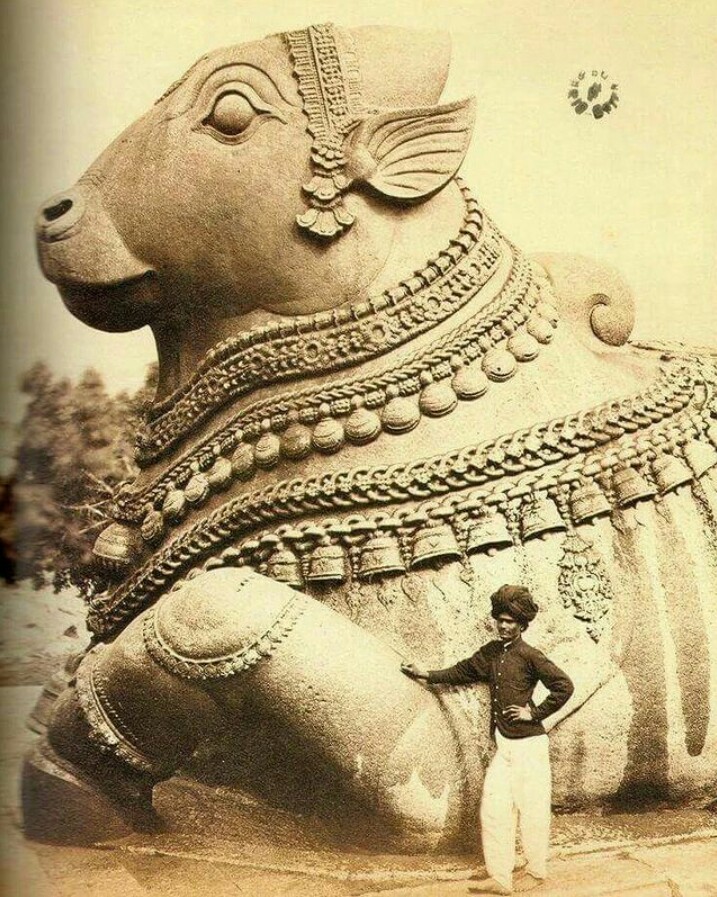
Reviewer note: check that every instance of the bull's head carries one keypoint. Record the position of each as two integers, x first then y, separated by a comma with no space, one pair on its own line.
225,201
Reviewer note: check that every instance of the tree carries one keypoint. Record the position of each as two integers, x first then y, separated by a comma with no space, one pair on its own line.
75,448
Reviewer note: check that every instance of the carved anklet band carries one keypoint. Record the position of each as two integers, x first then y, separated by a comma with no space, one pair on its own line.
104,722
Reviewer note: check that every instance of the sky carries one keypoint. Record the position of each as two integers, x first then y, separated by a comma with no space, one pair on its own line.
637,189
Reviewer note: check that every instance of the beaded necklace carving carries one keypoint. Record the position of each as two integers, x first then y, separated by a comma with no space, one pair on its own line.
329,341
461,366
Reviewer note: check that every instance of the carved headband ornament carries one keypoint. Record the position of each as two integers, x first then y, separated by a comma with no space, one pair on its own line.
405,154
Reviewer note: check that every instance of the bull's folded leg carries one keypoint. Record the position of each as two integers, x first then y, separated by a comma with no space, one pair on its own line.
140,706
122,725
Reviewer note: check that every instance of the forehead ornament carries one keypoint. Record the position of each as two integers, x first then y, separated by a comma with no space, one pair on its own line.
404,154
329,84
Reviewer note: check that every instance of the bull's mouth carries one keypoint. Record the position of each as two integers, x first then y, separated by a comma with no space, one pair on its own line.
116,306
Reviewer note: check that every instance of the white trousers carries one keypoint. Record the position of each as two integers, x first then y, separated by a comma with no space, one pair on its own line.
516,791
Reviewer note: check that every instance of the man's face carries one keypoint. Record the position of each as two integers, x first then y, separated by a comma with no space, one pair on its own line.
508,627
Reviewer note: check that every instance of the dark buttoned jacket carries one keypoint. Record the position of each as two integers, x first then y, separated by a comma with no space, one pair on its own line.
512,671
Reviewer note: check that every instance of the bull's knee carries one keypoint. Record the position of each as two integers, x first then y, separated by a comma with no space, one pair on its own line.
125,722
213,626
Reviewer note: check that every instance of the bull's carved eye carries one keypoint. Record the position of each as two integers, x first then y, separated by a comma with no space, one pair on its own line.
235,114
232,114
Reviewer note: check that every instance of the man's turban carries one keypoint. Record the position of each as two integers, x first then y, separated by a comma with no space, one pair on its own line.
515,601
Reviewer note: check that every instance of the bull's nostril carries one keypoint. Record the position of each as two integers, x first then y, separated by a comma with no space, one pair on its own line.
58,210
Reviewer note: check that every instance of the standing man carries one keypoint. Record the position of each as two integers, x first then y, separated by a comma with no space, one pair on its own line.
517,783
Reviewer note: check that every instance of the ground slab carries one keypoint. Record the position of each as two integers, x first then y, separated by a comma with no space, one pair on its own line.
238,846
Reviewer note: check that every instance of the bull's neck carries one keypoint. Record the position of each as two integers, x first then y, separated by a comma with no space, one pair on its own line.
384,255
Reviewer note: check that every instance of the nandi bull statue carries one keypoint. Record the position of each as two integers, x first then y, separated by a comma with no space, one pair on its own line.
373,410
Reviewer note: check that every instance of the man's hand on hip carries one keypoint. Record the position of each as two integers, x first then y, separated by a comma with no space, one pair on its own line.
515,712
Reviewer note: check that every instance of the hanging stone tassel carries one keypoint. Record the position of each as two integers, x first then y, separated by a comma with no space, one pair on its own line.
584,585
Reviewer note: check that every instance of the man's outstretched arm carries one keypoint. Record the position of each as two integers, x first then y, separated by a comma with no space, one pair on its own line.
472,669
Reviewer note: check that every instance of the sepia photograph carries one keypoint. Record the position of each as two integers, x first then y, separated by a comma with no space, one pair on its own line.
358,449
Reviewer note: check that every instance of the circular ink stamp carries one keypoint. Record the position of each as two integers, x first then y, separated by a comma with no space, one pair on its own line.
593,92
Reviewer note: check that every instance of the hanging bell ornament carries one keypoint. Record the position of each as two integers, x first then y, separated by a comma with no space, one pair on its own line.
434,543
630,486
587,502
381,556
670,472
152,527
296,441
327,563
523,346
547,311
116,548
539,328
219,474
540,517
499,364
284,566
488,534
700,455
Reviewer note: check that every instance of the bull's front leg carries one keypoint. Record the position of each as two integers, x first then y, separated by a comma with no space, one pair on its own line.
140,706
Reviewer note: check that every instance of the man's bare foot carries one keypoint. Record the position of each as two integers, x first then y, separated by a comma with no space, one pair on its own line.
520,865
489,886
527,882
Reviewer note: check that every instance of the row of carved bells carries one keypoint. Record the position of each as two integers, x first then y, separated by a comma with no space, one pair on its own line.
433,541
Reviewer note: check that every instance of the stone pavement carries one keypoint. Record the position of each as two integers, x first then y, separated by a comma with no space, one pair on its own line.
264,853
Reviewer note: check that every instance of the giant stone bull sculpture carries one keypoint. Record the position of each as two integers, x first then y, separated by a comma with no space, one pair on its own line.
372,411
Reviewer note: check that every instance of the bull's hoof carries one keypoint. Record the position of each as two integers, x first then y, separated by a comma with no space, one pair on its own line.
62,805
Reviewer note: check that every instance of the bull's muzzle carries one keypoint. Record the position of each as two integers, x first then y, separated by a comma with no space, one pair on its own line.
60,215
82,252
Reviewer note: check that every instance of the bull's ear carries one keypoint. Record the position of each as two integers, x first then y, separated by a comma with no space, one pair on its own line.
410,154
